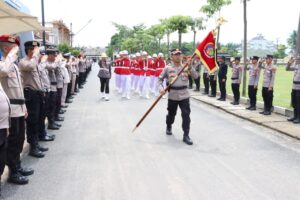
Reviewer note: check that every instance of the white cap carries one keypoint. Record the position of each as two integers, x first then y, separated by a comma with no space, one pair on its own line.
161,55
144,53
133,56
154,55
148,56
125,52
137,54
121,53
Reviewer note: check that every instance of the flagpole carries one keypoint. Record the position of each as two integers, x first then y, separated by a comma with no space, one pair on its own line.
165,90
220,21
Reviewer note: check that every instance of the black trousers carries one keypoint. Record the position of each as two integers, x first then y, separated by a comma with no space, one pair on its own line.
197,83
104,82
206,83
15,142
43,114
236,91
58,101
190,81
222,86
69,90
34,104
296,102
51,108
76,83
3,146
268,98
81,78
252,95
185,114
213,85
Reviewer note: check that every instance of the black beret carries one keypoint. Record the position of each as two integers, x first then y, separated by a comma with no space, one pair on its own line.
175,51
67,55
51,51
255,58
270,56
31,44
237,58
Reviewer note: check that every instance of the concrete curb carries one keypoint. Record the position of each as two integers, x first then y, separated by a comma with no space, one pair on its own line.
282,113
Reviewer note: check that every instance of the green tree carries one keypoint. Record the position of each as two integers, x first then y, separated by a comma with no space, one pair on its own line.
197,24
180,24
292,41
280,53
168,30
230,48
64,47
158,32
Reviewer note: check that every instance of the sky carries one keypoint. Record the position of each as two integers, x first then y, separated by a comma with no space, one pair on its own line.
273,18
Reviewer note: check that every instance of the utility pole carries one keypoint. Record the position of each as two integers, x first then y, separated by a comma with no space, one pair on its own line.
43,23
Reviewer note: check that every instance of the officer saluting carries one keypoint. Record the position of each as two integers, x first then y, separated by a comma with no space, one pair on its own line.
178,94
33,91
11,82
254,73
268,85
296,88
236,78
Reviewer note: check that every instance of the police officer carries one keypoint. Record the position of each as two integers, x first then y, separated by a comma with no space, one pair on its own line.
197,67
222,76
254,74
12,85
236,78
33,92
205,81
178,94
296,88
59,87
51,64
268,85
4,125
213,83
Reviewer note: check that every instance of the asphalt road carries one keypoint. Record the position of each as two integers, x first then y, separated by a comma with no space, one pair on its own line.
95,156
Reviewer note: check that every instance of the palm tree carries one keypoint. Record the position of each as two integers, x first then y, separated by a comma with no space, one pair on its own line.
196,25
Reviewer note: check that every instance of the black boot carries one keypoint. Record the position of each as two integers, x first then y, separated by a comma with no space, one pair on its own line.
41,148
52,126
25,171
294,117
35,152
169,131
187,140
15,177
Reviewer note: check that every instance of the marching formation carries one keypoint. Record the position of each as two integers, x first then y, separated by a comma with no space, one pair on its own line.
33,93
138,73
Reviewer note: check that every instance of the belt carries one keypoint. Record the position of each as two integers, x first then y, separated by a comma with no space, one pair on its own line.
296,82
17,101
234,78
53,83
34,91
178,87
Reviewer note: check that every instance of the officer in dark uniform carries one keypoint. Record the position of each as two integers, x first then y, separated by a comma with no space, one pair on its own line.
213,83
295,66
178,94
222,75
33,92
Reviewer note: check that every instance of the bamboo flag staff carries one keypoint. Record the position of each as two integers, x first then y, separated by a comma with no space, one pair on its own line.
206,52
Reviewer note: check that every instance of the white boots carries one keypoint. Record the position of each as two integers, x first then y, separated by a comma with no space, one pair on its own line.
105,96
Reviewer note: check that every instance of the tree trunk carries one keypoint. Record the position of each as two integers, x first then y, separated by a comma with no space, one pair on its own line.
194,42
179,39
298,38
245,49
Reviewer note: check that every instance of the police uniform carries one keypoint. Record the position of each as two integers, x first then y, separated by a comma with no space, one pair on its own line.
178,96
197,67
33,92
213,83
12,85
205,81
254,74
222,75
236,78
295,90
4,125
268,86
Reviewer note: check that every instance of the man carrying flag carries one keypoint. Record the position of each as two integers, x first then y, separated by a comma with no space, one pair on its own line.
178,93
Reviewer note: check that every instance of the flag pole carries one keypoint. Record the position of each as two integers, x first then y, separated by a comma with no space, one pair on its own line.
220,21
165,90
